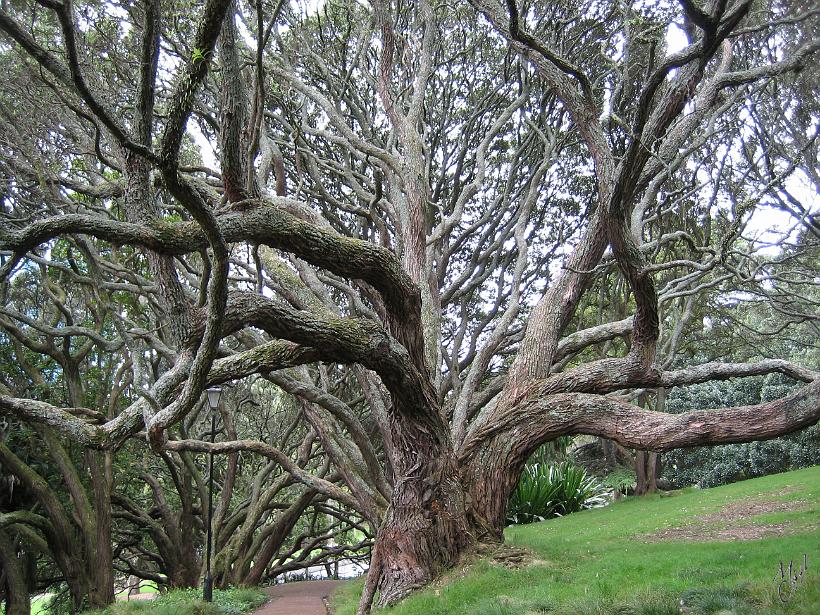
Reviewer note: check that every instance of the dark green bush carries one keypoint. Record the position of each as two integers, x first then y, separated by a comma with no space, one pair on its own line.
719,465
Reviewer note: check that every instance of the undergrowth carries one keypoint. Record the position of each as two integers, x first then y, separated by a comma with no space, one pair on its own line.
189,602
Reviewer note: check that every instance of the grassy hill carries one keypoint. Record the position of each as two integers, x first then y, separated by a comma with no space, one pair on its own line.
717,550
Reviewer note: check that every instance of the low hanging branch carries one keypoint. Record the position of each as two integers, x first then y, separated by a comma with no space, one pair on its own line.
266,224
635,427
609,375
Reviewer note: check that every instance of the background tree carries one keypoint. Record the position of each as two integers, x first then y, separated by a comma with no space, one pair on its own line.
413,205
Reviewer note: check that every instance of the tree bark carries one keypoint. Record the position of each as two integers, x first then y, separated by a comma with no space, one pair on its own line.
645,472
490,474
426,528
101,568
16,586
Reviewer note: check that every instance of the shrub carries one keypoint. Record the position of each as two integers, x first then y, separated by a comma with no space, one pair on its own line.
622,479
553,491
719,465
189,602
713,466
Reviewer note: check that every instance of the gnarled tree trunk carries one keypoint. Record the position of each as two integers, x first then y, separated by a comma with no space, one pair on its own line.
12,574
426,527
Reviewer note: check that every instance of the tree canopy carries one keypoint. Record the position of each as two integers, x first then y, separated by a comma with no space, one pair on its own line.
417,239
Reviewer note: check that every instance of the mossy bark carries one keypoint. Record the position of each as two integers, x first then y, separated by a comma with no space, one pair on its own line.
16,586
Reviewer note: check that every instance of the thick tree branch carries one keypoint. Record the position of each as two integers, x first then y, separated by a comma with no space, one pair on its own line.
269,225
63,419
341,340
268,357
634,427
540,419
610,375
25,517
196,69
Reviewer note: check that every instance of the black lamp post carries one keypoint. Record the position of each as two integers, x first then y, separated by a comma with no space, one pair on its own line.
213,402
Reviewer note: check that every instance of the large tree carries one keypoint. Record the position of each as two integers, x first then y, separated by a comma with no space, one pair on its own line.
416,210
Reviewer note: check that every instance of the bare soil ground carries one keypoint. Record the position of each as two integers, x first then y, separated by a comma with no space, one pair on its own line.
300,598
734,521
133,597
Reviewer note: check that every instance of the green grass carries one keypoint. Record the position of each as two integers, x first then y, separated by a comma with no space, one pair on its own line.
39,605
189,602
599,562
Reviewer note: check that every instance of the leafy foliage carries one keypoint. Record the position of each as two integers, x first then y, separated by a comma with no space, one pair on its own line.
546,491
719,465
622,479
551,452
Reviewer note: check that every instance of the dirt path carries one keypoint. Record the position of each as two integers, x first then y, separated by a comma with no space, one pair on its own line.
735,521
301,598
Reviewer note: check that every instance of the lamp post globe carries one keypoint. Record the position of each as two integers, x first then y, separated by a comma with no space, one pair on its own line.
214,393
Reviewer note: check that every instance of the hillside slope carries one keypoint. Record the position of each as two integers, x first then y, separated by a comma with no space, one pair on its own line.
718,550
